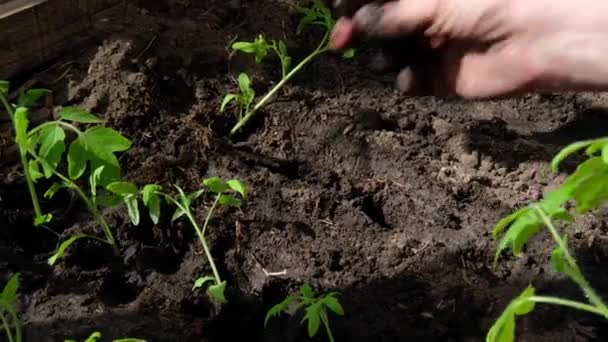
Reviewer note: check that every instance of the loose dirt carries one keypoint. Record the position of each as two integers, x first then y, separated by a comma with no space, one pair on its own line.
389,200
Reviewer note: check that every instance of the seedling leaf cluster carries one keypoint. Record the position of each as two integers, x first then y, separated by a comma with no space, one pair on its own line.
586,189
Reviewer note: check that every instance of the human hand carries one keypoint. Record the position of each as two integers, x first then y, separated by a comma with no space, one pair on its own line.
489,48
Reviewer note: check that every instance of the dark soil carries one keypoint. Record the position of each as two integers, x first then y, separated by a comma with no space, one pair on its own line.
387,199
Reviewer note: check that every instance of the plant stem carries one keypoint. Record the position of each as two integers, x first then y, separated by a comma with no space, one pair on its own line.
56,122
326,324
201,233
318,51
568,303
7,328
23,155
90,205
576,274
17,325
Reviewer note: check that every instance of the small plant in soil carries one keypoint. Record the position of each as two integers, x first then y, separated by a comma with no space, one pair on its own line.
94,337
587,188
8,312
316,15
43,148
316,309
225,195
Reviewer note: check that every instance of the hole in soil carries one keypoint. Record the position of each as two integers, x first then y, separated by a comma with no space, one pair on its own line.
374,211
160,260
89,255
116,291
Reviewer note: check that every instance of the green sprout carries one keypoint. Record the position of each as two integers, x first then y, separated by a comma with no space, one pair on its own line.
8,312
95,336
317,15
315,309
587,187
224,196
244,98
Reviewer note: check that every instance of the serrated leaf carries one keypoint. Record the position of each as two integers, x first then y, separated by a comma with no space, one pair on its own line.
237,186
122,188
226,100
53,190
215,184
202,281
279,308
132,208
63,247
152,201
4,87
334,305
503,329
8,297
21,124
216,292
307,291
52,147
229,200
43,219
30,97
75,114
313,316
566,152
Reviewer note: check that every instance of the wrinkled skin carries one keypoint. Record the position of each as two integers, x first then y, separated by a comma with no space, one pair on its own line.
484,48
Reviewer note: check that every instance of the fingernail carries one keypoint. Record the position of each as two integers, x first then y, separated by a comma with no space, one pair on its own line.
342,34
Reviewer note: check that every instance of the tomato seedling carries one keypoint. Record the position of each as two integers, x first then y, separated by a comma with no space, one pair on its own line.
95,336
316,309
224,196
317,15
8,312
587,187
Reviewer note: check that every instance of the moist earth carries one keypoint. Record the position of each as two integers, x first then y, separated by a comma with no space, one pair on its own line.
389,200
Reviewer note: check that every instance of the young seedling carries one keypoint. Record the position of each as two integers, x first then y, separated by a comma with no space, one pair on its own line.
587,187
318,14
224,196
18,115
8,312
315,309
244,98
94,337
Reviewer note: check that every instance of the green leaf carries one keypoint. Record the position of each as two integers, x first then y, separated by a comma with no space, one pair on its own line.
122,188
151,199
34,169
132,208
97,145
333,304
52,147
43,219
94,336
216,292
226,100
8,297
53,190
215,184
244,83
348,53
313,316
177,214
567,151
109,201
557,260
237,186
506,221
202,281
279,308
63,247
229,200
246,47
307,291
503,329
4,87
21,124
93,179
30,97
78,115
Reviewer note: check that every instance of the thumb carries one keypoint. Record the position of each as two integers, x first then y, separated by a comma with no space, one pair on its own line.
394,18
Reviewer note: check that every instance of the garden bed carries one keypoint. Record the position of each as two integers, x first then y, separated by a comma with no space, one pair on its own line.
388,199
